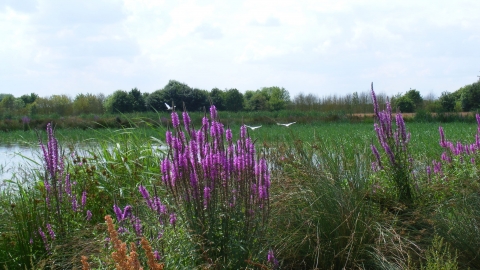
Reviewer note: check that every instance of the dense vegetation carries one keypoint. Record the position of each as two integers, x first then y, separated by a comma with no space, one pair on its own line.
195,192
27,107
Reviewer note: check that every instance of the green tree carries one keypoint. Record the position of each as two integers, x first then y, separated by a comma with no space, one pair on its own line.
118,102
88,104
137,100
277,98
155,101
405,104
447,102
415,97
258,102
233,100
470,97
28,99
217,97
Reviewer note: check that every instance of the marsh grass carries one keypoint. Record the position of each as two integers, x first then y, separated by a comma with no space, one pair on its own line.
320,219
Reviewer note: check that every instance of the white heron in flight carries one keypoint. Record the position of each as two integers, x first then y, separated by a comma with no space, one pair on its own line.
168,106
286,124
253,128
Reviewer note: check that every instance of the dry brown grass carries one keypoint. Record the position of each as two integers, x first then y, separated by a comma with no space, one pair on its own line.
124,260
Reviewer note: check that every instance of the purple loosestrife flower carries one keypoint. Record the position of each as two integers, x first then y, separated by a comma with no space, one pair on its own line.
374,101
186,121
89,215
168,138
146,196
175,120
156,255
84,198
206,196
173,219
44,238
442,137
118,212
377,155
137,225
271,258
74,203
51,232
127,212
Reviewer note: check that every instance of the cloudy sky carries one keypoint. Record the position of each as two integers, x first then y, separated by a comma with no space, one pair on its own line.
319,47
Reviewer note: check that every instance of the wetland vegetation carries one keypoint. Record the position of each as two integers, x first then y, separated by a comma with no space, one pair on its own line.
195,190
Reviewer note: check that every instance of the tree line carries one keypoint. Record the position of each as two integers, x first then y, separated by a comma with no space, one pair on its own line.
272,98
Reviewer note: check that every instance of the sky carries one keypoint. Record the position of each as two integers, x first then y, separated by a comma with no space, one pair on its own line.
318,47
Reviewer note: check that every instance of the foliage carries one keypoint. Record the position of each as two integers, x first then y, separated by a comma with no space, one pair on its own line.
118,102
233,100
470,97
439,256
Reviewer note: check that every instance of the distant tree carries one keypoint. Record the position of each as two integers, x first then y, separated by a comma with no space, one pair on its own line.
258,102
470,97
277,98
119,101
197,100
177,93
137,100
28,99
447,102
61,104
155,101
415,97
405,104
88,104
217,97
233,100
7,102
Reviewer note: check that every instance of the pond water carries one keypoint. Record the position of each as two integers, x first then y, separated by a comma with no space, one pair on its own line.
14,158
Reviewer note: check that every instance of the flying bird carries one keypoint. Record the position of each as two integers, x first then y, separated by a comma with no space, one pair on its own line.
253,128
168,106
286,124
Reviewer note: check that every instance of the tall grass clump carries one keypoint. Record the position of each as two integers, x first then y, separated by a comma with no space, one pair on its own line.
221,189
320,218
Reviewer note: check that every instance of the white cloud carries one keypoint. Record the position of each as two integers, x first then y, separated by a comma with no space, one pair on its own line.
306,46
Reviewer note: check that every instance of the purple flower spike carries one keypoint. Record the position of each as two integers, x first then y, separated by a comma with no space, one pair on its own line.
146,196
156,255
84,198
175,120
173,219
213,112
118,212
127,212
271,258
89,215
50,232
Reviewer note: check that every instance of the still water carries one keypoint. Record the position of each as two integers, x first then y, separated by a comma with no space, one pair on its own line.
15,159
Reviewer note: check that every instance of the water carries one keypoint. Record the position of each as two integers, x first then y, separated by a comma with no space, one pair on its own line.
14,159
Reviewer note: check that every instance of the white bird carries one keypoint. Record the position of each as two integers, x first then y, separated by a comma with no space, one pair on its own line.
286,124
168,106
253,128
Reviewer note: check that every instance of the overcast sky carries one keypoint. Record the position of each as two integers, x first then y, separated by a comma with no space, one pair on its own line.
319,47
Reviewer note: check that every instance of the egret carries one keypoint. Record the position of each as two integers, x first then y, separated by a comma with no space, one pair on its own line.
286,124
253,128
168,106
